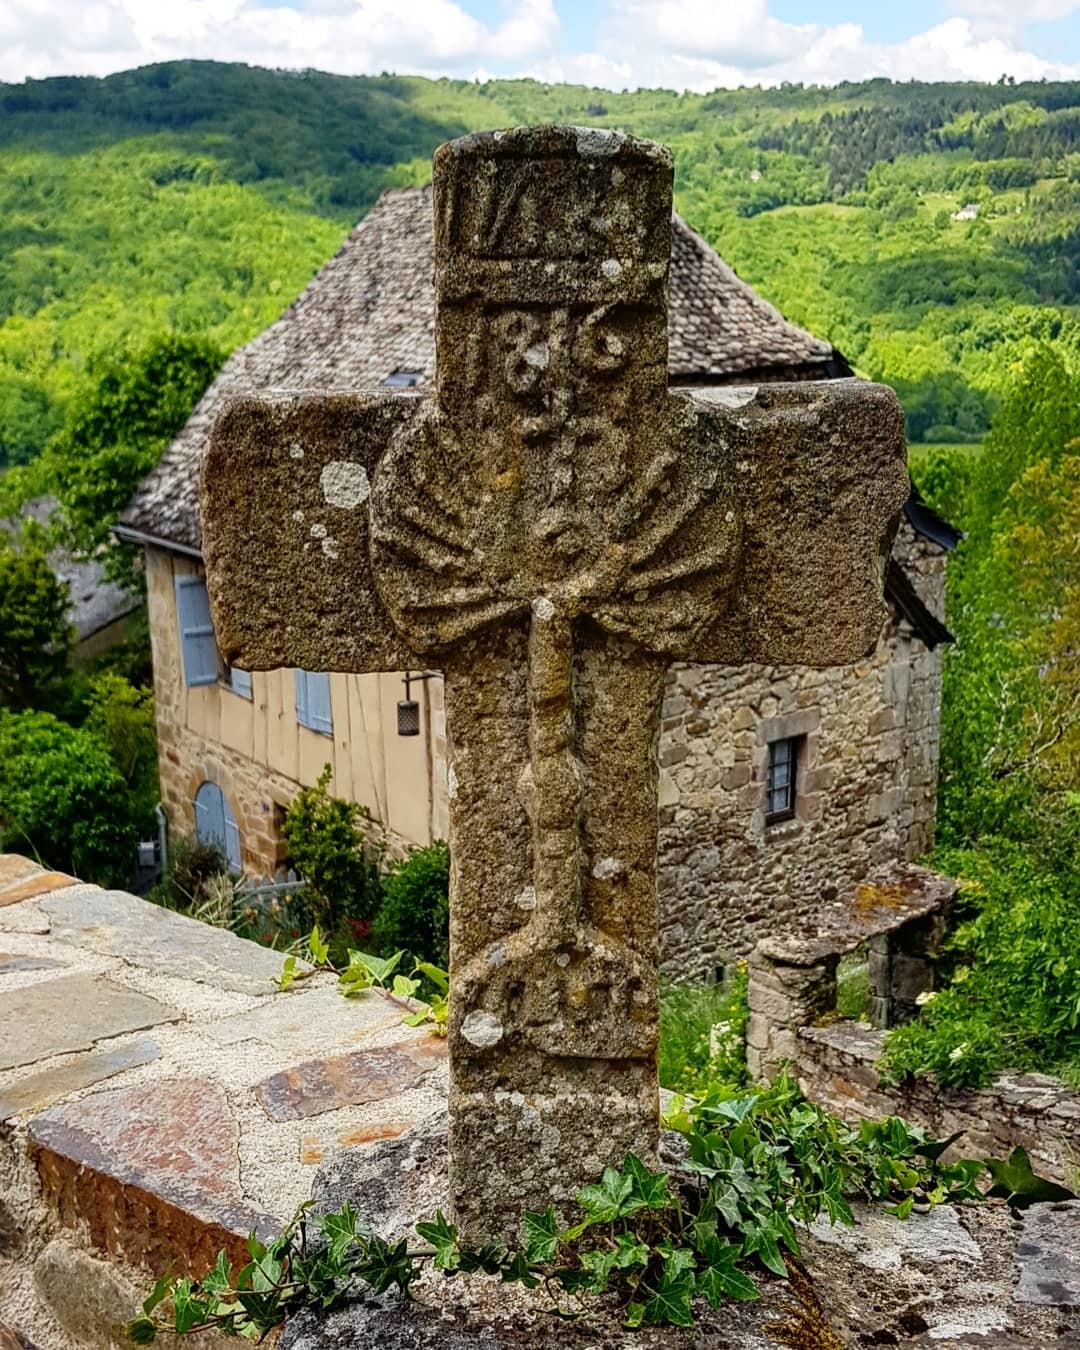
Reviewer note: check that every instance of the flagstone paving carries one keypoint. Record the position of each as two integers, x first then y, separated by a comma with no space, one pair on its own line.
156,1089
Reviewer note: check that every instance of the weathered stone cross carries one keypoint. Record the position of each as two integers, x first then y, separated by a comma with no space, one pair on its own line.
551,530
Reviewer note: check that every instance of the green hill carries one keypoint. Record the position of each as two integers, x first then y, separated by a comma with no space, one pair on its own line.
198,198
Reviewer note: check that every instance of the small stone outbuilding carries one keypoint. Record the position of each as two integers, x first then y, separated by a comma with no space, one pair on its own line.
779,788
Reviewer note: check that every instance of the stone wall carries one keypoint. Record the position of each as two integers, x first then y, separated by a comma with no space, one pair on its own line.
866,785
835,1067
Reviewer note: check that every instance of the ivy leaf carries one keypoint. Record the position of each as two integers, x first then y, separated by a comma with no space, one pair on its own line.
319,949
727,1206
934,1148
1015,1182
635,1315
438,977
672,1302
403,987
541,1235
610,1200
629,1251
340,1230
188,1311
599,1265
141,1331
762,1243
385,1265
354,979
903,1209
719,1282
162,1288
489,1258
443,1236
218,1280
518,1271
380,968
651,1188
287,978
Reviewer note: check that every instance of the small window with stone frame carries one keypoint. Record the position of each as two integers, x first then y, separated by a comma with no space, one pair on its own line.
781,780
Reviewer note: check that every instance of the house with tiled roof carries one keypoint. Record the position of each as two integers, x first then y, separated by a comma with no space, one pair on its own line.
779,787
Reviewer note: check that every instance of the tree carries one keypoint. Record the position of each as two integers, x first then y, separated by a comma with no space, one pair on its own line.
63,800
35,634
118,429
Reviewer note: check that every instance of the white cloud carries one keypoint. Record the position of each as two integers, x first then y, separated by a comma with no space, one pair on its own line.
701,44
683,44
95,37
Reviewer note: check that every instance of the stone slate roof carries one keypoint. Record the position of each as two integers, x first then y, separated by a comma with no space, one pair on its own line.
371,312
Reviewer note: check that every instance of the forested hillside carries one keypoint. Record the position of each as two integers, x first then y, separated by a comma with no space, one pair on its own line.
197,199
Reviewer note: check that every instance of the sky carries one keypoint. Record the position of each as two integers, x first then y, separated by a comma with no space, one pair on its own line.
617,44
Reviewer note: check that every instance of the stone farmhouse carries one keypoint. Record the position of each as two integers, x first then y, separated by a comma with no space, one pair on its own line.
781,789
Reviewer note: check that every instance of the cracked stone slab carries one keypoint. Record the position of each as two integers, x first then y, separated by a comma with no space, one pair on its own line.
71,1013
112,923
1048,1255
150,1173
321,1085
43,1089
314,1148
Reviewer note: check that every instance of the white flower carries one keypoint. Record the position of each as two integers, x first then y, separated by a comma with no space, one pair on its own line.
958,1051
927,996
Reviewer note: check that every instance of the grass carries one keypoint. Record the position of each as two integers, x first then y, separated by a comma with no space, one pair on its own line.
853,986
703,1033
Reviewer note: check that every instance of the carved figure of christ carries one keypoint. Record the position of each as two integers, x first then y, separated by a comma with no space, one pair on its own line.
551,530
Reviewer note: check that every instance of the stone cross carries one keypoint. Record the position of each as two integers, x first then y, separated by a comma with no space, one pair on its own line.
551,530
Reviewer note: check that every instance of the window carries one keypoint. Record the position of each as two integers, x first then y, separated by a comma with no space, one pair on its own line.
313,701
239,681
216,824
198,648
403,379
780,783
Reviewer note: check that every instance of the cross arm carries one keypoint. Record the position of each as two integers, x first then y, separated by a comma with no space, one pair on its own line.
820,478
284,503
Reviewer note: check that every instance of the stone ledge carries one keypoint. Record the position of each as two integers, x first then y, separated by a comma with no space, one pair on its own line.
137,1041
21,879
836,1066
890,898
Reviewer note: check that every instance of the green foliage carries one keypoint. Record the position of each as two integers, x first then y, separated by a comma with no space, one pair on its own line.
703,1033
193,865
63,799
1012,994
646,1245
116,429
121,716
199,198
35,632
414,913
328,851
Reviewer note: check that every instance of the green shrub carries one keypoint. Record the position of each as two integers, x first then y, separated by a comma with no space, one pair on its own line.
121,716
1012,991
63,799
193,865
35,632
328,850
703,1033
415,911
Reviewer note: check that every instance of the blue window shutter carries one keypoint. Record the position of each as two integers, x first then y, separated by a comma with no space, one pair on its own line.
240,682
216,824
322,717
302,714
313,701
198,647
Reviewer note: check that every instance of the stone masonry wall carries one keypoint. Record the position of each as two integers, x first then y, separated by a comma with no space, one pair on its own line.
866,784
835,1067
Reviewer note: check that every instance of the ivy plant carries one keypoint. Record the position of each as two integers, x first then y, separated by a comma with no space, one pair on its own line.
642,1244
